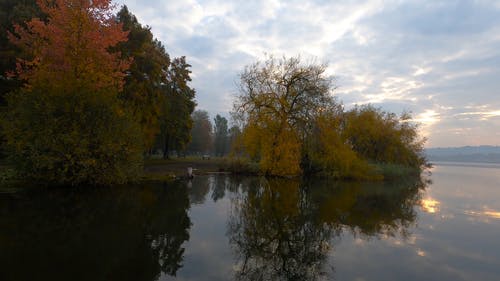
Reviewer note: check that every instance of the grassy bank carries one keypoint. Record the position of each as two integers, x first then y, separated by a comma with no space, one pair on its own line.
381,171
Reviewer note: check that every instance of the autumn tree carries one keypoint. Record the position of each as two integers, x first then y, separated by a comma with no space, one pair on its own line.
330,154
201,133
66,125
220,135
384,137
292,125
12,12
279,100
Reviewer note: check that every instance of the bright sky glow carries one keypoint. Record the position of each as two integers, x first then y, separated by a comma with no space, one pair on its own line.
438,59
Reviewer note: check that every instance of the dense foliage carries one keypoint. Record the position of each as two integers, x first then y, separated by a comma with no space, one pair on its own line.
66,124
292,125
147,72
11,12
85,94
177,105
94,91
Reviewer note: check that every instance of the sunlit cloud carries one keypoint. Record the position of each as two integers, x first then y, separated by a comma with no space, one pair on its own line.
399,55
394,88
483,115
428,117
421,71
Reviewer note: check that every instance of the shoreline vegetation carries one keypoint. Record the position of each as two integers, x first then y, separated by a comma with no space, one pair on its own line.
160,170
94,95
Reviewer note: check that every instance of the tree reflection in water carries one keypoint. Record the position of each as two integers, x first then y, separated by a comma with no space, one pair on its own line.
284,230
129,233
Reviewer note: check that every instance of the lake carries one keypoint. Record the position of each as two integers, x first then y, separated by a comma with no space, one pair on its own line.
444,226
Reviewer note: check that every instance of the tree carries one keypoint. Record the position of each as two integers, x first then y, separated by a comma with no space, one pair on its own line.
384,137
201,133
221,135
12,12
278,102
234,137
145,80
329,153
177,105
67,125
292,125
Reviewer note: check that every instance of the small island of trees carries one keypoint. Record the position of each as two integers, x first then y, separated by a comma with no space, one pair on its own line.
88,94
292,126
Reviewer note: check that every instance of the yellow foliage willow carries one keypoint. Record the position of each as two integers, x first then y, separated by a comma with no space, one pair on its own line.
292,125
277,149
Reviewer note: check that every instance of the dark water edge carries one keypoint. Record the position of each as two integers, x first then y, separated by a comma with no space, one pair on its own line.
248,228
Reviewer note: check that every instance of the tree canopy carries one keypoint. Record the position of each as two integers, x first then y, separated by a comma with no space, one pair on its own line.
146,77
66,125
88,92
177,105
292,125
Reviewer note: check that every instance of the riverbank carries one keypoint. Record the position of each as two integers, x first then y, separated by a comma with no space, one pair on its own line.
164,169
170,169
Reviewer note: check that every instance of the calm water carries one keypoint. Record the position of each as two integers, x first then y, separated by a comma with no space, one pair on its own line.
224,228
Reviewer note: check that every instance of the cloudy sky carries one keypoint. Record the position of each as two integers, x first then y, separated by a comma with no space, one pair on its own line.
438,59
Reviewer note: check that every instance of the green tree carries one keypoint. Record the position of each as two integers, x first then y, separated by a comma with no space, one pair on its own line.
221,135
177,105
201,133
67,125
12,12
148,73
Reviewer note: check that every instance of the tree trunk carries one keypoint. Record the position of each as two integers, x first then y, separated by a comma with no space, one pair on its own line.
165,147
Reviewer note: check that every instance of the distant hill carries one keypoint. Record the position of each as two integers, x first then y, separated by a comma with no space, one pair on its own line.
478,154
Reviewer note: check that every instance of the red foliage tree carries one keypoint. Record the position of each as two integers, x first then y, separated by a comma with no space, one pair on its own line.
67,126
71,49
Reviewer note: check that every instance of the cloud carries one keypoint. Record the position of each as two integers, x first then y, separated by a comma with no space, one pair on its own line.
432,58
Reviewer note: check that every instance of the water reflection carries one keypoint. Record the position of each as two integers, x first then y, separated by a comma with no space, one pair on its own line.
278,229
484,214
284,229
130,233
430,205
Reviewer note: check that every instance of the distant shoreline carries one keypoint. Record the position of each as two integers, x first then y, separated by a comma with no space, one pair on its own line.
466,164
